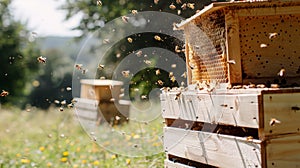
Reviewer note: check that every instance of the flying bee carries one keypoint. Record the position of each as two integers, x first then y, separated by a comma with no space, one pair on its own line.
249,138
173,66
156,37
281,72
68,88
99,3
274,121
183,6
177,96
106,41
156,1
70,105
126,73
157,72
125,19
191,5
172,6
118,118
61,109
183,75
41,59
84,71
134,12
56,102
102,77
139,53
63,102
100,66
273,35
160,82
148,62
4,93
144,97
130,40
177,49
78,66
173,79
231,62
178,12
171,74
178,2
263,45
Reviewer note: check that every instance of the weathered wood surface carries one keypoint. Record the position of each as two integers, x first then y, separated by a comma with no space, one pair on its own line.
170,164
212,149
283,151
285,108
237,109
86,109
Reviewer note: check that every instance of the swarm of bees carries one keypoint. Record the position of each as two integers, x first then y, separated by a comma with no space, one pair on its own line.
4,93
41,59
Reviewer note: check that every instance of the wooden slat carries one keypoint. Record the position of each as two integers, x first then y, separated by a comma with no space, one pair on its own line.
87,104
212,149
269,11
233,47
86,114
283,152
170,164
282,107
237,110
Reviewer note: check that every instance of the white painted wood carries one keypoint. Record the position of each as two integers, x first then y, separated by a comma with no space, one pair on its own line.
212,149
238,109
88,104
86,114
279,106
170,164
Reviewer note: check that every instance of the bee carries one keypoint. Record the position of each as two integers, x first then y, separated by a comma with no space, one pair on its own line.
173,79
183,6
106,41
70,105
125,19
183,75
134,12
99,3
148,62
61,109
274,86
249,139
172,6
74,101
191,5
273,35
144,97
41,59
231,62
177,49
102,78
118,55
160,82
260,86
263,45
78,66
4,93
139,53
274,121
118,118
177,96
136,89
84,71
129,40
281,72
126,73
156,37
171,74
178,2
173,66
155,1
112,100
63,102
68,88
56,102
100,66
178,12
157,72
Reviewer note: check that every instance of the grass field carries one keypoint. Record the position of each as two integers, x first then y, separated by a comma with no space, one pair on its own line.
52,138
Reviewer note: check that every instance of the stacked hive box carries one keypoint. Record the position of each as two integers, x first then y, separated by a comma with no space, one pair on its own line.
242,105
99,102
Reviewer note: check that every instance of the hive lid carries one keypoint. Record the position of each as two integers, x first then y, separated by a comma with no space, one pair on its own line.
100,82
236,5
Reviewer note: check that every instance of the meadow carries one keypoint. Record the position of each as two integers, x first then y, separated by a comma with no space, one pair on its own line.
37,138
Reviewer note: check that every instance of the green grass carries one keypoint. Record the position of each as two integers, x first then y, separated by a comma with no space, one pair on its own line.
56,139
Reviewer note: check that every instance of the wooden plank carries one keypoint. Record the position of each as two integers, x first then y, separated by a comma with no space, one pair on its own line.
86,114
170,164
237,109
88,104
233,47
285,108
269,11
212,149
283,151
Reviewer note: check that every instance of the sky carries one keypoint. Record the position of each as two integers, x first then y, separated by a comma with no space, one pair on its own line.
43,17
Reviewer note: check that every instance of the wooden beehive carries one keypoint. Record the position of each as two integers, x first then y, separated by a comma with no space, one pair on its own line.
99,102
226,117
244,42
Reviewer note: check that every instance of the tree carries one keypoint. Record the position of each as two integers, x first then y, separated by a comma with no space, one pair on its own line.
17,57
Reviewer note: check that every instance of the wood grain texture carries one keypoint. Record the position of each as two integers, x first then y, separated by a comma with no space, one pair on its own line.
170,164
212,149
285,108
237,109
